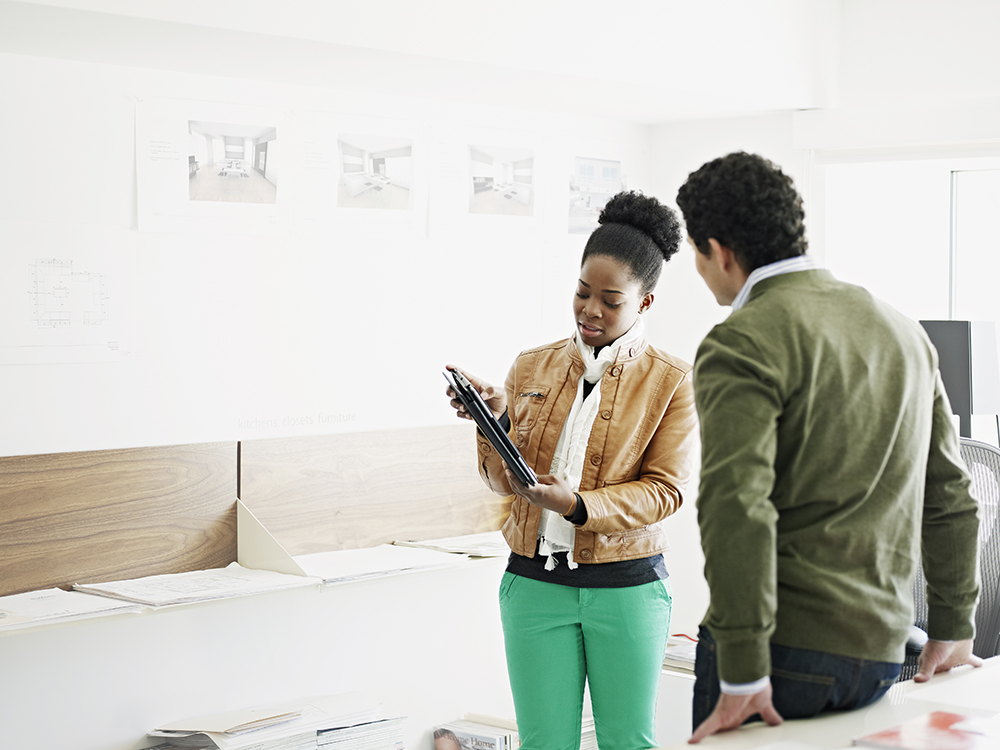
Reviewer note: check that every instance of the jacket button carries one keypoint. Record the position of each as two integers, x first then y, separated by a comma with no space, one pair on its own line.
595,459
631,351
616,370
606,414
585,554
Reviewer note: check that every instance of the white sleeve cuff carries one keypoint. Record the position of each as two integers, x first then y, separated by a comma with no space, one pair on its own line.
746,688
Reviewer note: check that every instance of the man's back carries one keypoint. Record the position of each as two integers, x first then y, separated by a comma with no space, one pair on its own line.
829,461
818,404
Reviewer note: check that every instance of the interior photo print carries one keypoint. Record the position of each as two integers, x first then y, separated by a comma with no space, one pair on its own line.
376,172
592,183
232,163
501,181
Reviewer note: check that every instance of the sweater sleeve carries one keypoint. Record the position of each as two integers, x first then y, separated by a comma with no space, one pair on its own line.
739,406
949,533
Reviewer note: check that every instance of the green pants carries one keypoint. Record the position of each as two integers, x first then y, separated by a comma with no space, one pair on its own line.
559,637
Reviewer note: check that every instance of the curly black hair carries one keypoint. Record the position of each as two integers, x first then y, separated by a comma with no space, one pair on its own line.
638,231
747,204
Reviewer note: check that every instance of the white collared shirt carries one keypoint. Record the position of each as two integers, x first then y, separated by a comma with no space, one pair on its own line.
779,267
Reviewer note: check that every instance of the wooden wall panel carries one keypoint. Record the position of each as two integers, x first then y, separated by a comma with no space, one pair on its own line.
108,515
329,492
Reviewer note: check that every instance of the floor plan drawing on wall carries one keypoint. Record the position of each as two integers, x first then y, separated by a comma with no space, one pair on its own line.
67,293
62,296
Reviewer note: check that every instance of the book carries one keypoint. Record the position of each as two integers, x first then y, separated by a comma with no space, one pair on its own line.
680,653
463,734
933,731
588,733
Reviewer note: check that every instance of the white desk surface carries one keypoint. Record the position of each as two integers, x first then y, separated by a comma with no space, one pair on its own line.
973,692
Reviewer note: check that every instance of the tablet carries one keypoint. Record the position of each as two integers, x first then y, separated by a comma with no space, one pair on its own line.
489,426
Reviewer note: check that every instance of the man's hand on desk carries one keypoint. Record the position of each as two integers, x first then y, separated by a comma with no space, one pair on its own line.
732,710
940,656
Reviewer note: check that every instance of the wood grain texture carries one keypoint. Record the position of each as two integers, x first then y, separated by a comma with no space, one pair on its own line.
348,491
106,515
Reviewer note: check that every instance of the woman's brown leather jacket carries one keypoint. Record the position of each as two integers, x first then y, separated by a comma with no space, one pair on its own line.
639,457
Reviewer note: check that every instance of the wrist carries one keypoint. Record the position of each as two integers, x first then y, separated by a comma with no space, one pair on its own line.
574,499
745,688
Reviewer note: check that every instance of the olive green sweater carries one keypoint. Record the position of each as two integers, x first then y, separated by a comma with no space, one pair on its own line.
828,451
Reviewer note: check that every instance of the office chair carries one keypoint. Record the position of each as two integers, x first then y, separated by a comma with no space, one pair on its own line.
983,461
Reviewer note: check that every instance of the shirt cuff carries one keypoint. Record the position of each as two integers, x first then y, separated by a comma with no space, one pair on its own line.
579,515
746,688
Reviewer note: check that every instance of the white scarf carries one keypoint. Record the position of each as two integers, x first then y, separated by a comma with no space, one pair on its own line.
555,533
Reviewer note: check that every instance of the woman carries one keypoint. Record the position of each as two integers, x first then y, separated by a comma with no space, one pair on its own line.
608,422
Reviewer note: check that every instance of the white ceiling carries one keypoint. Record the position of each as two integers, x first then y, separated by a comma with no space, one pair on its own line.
637,60
644,61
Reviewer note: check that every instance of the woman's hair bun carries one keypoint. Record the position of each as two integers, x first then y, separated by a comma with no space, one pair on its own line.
648,215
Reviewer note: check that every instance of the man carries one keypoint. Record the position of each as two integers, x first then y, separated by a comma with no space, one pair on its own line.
828,455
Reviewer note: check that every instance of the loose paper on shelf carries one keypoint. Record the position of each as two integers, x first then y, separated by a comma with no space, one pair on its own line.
56,605
197,585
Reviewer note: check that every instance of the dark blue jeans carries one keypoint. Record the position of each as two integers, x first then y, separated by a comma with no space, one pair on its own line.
803,683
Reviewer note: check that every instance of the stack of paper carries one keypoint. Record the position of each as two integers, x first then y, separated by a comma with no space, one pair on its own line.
55,605
384,734
345,566
680,653
196,585
588,734
291,725
486,544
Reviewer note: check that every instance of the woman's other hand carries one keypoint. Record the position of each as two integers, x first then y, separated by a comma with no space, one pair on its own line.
495,398
551,492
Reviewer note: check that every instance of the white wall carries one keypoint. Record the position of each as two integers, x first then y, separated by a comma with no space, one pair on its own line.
235,329
686,309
